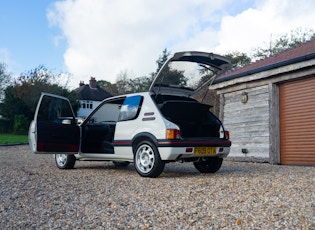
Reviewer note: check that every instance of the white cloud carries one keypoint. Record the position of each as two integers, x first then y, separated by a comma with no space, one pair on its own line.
106,37
4,55
5,58
255,27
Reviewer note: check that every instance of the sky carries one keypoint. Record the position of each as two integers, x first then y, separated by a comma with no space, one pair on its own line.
104,38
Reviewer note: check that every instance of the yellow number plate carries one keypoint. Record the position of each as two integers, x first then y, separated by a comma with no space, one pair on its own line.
205,151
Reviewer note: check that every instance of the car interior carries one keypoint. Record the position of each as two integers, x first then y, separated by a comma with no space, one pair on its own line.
193,118
99,128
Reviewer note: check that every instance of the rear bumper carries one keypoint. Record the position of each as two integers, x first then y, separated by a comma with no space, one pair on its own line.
179,149
176,153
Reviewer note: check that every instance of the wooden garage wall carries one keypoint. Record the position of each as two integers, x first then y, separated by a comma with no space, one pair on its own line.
248,123
297,122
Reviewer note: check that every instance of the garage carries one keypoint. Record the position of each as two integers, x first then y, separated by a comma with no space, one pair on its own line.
297,122
269,107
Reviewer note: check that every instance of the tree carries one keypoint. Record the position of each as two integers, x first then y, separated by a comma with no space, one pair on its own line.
125,84
238,59
284,42
162,59
122,83
108,87
21,97
4,79
173,77
29,86
21,124
140,84
278,43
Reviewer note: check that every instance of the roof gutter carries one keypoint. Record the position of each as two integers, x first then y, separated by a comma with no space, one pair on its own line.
265,68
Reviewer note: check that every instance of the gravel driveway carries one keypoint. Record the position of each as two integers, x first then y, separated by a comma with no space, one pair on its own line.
36,195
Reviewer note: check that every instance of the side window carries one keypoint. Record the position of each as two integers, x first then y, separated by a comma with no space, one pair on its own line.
108,112
130,108
54,109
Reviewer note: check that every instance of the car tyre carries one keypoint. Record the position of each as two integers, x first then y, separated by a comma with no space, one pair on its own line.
208,165
65,161
147,160
121,164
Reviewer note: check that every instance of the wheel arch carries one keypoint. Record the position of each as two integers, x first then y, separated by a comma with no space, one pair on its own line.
144,136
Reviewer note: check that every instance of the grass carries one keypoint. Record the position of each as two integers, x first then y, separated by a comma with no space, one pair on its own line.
7,138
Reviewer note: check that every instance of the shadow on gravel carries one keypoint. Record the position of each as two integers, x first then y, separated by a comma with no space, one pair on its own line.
104,167
171,170
230,168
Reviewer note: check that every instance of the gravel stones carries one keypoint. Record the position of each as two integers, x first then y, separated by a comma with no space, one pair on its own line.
35,194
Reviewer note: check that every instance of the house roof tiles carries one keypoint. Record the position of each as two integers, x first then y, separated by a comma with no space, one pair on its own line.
85,92
91,92
304,51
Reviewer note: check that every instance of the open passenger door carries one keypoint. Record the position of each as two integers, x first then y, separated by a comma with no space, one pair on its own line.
54,128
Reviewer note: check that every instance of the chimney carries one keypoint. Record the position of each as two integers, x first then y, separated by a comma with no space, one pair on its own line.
81,83
92,83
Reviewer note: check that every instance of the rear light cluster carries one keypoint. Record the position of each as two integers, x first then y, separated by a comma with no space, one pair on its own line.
227,135
172,134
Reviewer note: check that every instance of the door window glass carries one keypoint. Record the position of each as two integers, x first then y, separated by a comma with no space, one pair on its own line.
54,109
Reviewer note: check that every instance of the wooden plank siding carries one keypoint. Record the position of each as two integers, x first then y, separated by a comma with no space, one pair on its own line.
248,123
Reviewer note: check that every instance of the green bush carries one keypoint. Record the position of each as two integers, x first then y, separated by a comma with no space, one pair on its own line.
6,126
21,124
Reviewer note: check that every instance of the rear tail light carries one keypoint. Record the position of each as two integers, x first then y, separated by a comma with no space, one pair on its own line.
227,135
172,134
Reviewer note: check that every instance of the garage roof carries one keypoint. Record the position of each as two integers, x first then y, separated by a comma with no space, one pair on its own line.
302,52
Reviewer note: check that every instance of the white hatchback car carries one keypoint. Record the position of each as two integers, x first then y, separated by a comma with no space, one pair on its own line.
150,129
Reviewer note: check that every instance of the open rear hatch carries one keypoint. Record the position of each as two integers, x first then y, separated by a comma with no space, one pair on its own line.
186,73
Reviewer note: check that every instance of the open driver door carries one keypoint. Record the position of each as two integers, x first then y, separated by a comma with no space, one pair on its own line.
54,128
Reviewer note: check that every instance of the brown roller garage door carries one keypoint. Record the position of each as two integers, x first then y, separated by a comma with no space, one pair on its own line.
297,122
